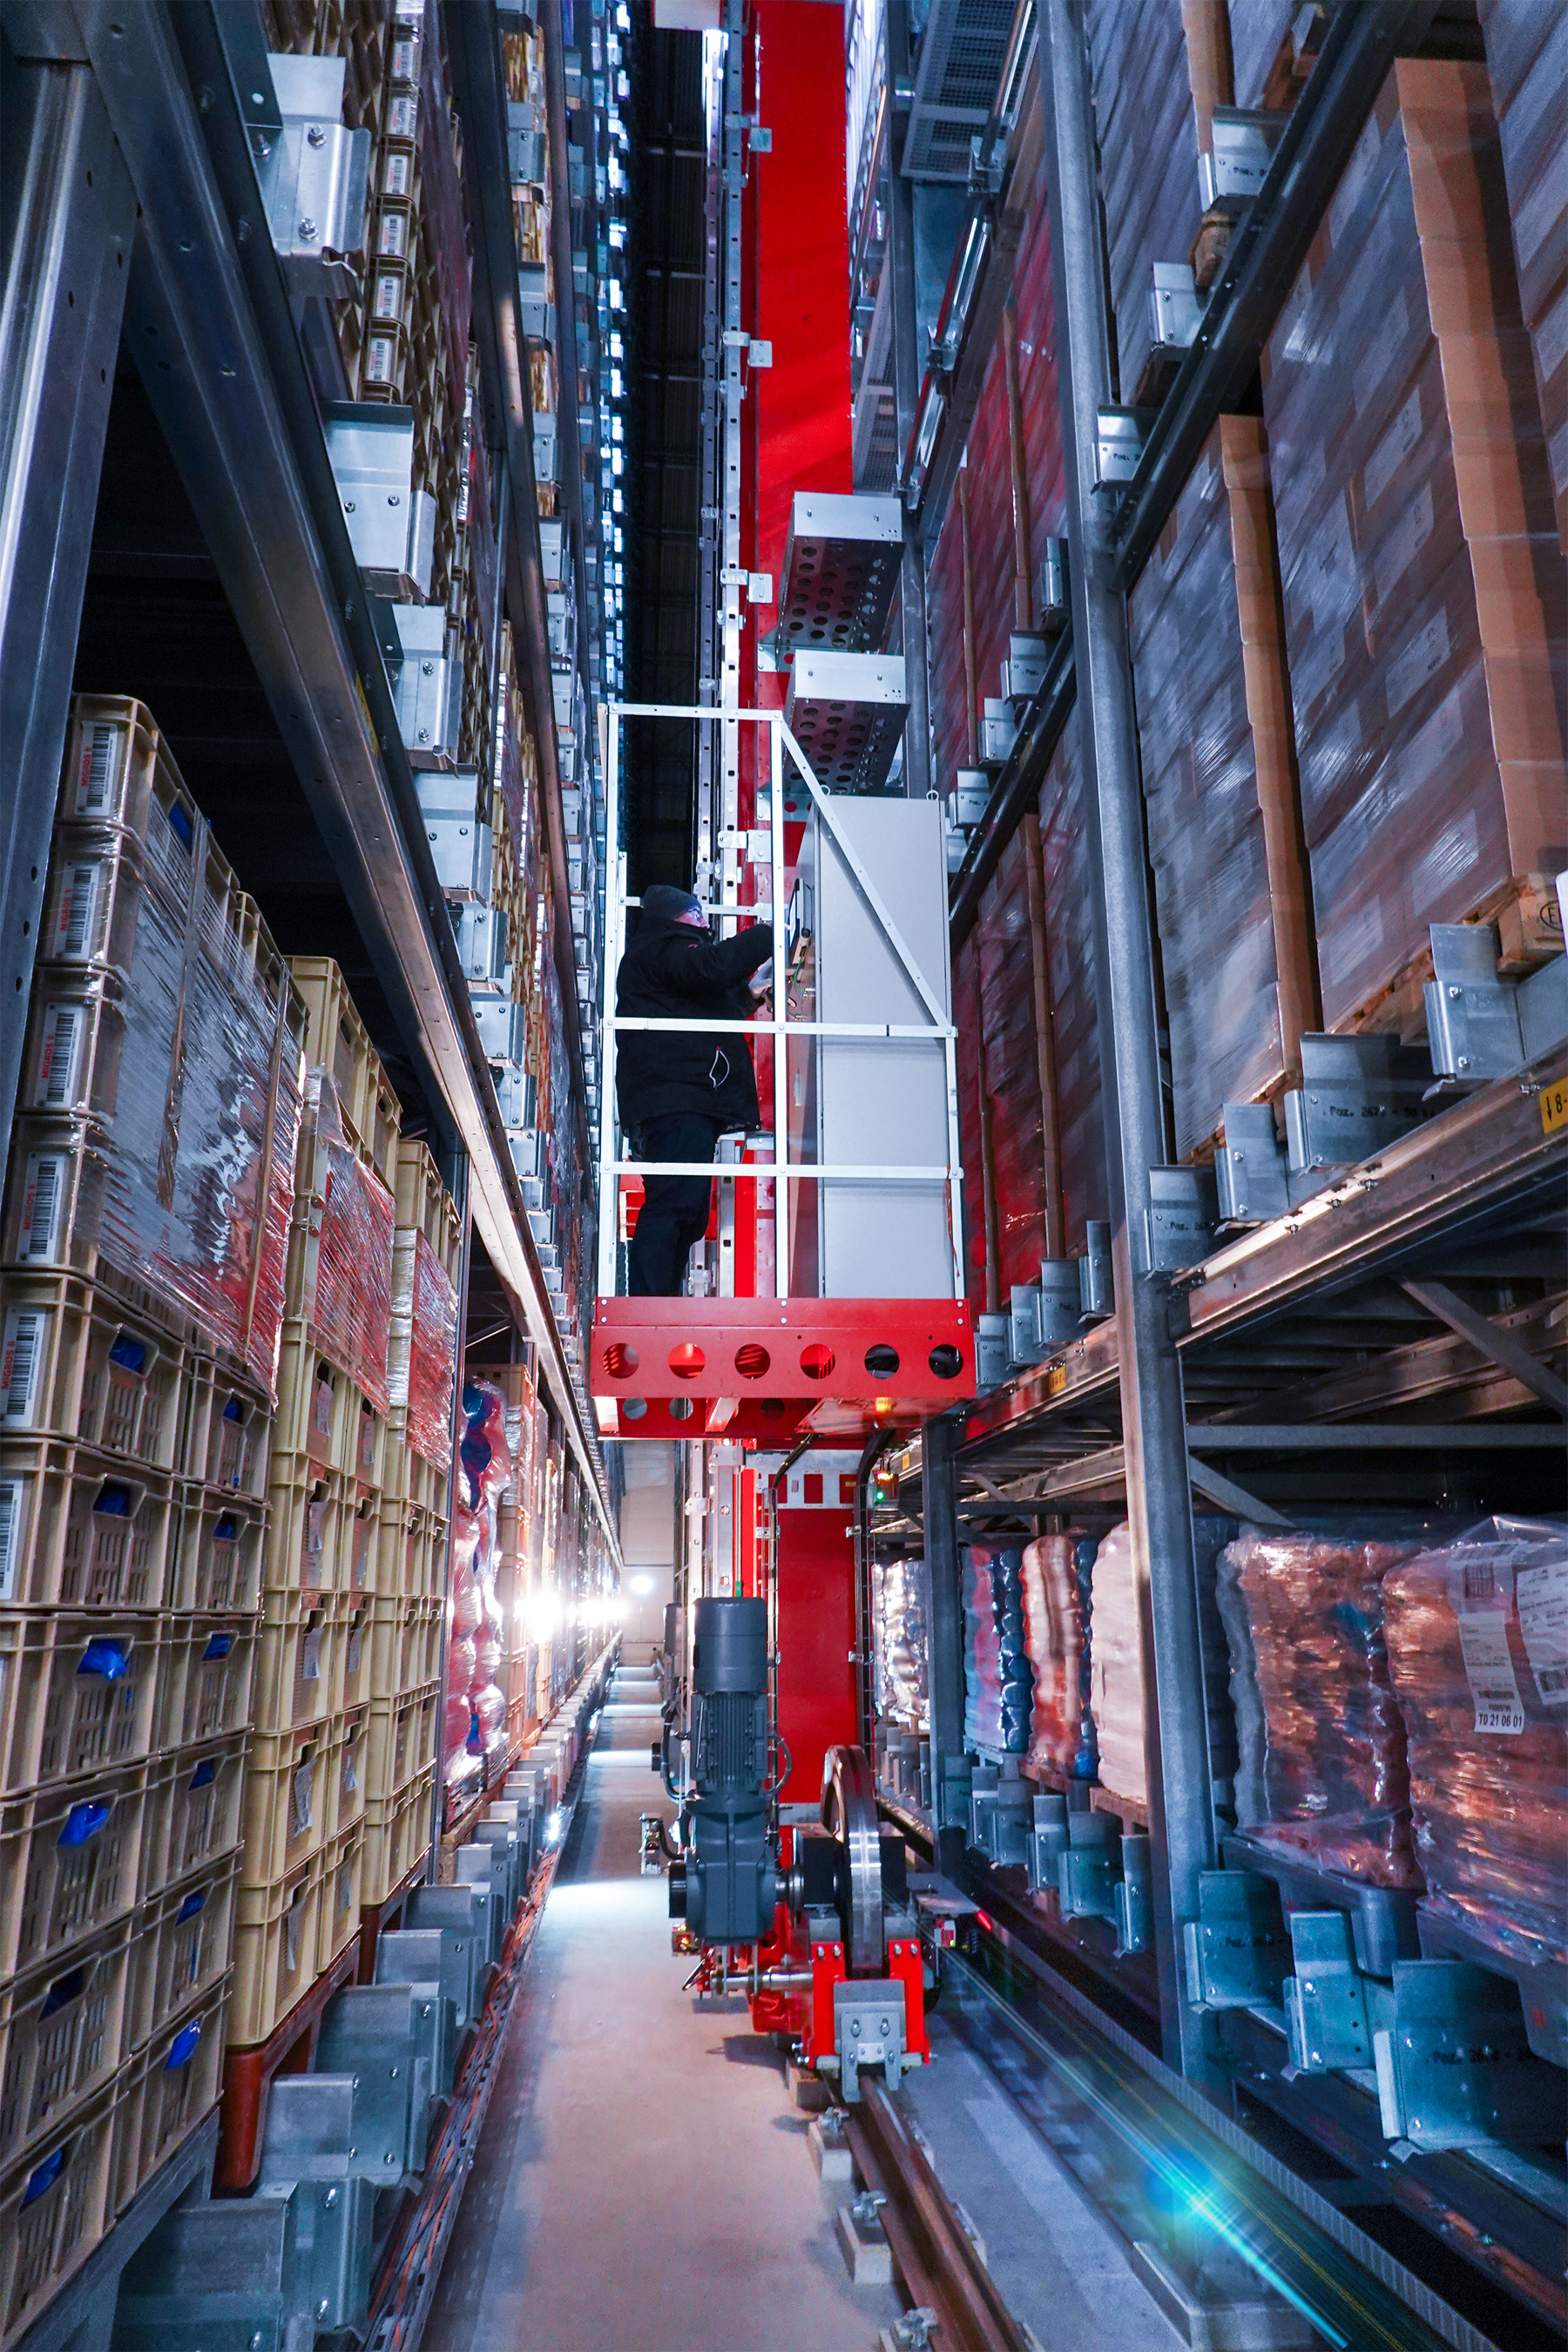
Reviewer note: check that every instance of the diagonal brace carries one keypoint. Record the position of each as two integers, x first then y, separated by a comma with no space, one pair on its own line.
1500,1346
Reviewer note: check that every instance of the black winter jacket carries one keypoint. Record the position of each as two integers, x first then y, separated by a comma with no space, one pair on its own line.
672,972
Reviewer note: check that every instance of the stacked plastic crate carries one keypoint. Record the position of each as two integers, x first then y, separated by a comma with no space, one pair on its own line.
144,1231
407,1606
299,1906
528,142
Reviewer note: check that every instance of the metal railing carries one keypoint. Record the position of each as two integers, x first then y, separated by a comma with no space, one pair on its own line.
776,1024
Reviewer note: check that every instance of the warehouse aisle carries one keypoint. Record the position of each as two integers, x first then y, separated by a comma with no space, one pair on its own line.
641,2185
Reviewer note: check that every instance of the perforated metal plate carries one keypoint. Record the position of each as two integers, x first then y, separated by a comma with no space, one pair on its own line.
847,712
840,571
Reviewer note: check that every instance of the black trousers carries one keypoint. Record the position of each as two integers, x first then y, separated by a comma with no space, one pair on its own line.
674,1215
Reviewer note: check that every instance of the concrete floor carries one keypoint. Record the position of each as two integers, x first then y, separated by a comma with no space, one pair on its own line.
642,2184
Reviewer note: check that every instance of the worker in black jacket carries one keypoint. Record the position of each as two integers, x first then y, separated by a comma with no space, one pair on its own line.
680,1090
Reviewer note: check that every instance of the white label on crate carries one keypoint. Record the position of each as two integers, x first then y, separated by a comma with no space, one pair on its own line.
404,59
21,1361
315,1526
1482,1608
394,178
304,1786
64,1026
10,1534
392,240
42,1192
1423,657
389,295
1392,449
1543,1597
311,1654
402,114
74,923
1353,179
351,1777
380,359
99,772
1405,543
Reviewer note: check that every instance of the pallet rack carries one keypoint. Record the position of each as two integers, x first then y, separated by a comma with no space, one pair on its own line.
1365,1346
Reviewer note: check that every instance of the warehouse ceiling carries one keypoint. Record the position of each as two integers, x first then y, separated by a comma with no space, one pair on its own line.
666,266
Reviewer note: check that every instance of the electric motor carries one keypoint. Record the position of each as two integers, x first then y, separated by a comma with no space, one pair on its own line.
729,1889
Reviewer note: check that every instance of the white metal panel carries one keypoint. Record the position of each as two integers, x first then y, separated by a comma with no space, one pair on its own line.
883,1101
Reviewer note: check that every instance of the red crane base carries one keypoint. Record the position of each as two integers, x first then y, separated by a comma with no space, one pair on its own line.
770,1368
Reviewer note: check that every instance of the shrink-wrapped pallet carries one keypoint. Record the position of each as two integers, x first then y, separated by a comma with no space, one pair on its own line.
996,1677
1323,1763
1005,948
1054,1593
899,1587
1073,1010
1527,59
1426,617
1224,831
1478,1642
341,1262
1116,1671
1157,69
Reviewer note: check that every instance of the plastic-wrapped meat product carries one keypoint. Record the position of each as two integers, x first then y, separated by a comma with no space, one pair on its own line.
901,1642
1323,1743
997,1695
1478,1642
1054,1644
424,1349
1116,1670
351,1311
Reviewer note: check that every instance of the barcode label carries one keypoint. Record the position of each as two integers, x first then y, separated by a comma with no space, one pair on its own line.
394,179
380,359
389,295
99,775
10,1534
42,1195
75,934
20,1361
1542,1595
1552,1680
1488,1667
394,235
64,1028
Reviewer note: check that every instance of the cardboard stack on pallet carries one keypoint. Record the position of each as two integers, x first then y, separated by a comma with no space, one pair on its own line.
1424,602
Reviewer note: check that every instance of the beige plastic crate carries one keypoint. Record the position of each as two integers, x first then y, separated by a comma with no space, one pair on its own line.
71,1862
198,1810
64,2032
400,1742
288,1802
341,1882
57,2203
80,1530
338,1041
217,1547
78,1694
397,1838
345,1770
275,1941
208,1669
175,2086
229,1432
182,1944
76,1363
405,1642
308,1514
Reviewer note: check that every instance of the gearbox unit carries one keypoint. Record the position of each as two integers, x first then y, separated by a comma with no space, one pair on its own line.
727,1888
